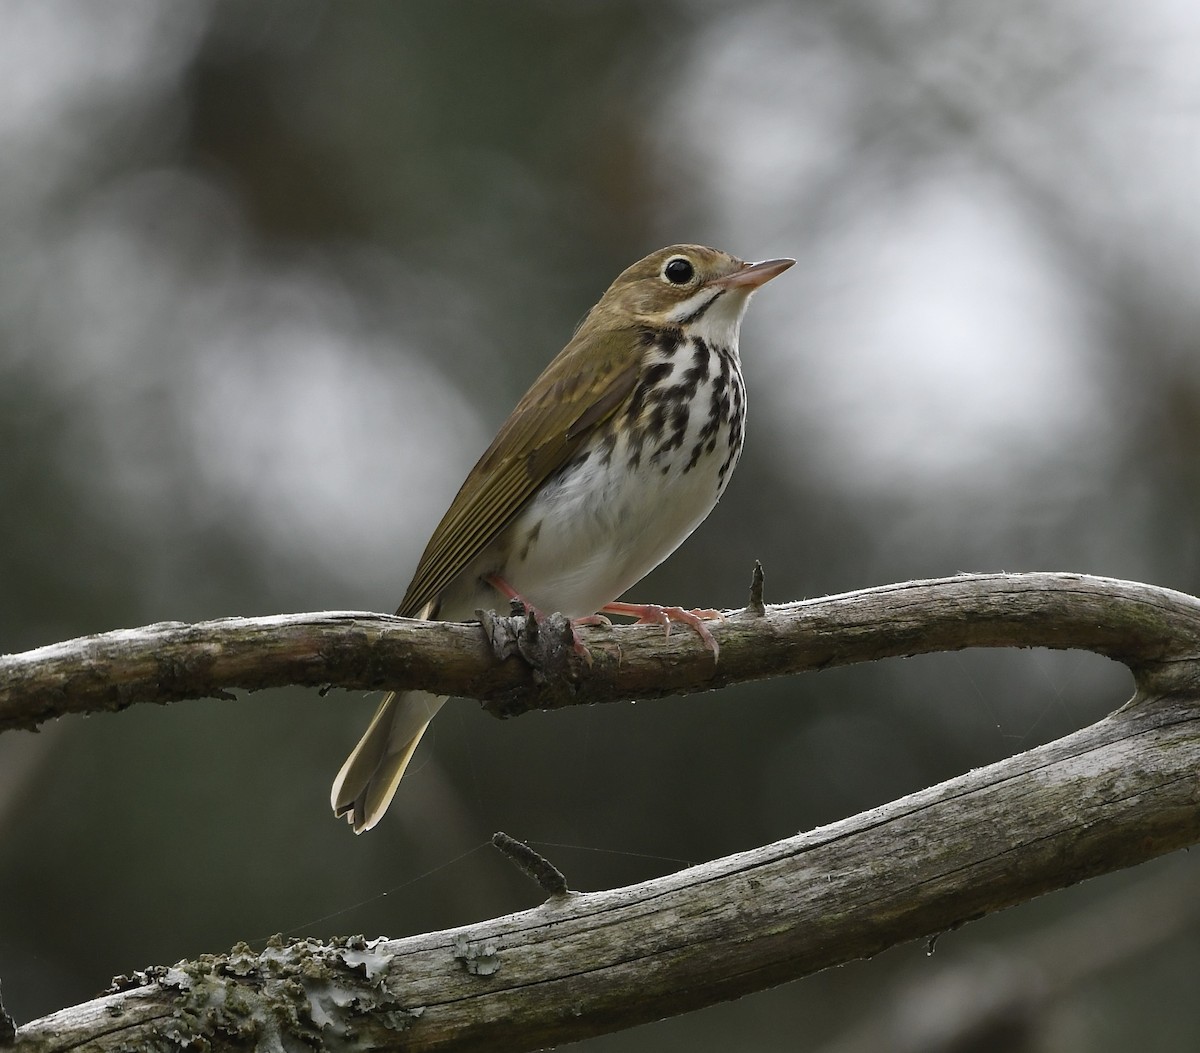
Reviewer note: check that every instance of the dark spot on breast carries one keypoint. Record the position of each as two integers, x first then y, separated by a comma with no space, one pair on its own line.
656,374
679,419
657,420
666,339
701,359
680,416
649,389
607,444
530,538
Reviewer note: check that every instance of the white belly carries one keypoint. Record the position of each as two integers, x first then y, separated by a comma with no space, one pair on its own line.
603,532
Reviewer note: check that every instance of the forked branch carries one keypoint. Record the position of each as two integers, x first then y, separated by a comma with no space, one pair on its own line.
1117,793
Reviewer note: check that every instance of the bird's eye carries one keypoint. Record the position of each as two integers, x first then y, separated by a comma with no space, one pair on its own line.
679,271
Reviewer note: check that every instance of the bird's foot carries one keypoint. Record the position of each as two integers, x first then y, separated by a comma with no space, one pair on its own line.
655,614
539,616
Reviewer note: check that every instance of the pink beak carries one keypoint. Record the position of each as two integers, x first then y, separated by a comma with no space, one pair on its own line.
753,275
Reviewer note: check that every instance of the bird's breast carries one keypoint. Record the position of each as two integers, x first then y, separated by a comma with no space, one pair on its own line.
638,486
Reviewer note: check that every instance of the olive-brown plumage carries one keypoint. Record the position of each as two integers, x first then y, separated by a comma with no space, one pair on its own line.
615,454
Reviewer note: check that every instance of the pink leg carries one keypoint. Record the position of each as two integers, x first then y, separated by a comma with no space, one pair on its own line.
659,615
508,592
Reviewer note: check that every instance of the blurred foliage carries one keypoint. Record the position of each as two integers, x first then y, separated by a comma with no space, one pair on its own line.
271,275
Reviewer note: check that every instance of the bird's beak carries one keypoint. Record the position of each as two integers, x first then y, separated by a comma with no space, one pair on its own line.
752,275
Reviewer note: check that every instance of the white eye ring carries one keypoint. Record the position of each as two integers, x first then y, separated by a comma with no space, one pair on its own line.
678,270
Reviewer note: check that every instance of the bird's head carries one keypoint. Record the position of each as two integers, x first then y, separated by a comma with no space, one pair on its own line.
701,290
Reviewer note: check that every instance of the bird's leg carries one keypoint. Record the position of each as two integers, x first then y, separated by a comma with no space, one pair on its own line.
509,593
656,614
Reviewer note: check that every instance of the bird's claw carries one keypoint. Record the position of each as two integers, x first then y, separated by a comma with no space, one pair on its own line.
656,614
577,644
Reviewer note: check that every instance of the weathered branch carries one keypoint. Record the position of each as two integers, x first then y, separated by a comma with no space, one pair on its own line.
1114,794
1146,627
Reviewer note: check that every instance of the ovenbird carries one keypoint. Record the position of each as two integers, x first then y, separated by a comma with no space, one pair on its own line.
614,456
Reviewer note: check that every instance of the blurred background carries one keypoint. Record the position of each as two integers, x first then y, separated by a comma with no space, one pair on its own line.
271,275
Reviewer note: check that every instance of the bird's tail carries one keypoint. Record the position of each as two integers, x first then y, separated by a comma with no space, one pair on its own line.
367,782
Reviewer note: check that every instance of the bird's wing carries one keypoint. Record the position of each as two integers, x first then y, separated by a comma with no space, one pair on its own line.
576,394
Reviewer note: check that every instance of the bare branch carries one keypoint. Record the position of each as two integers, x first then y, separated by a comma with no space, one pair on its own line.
1112,795
1117,793
1150,629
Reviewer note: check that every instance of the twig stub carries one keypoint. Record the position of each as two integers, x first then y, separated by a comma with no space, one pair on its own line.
549,878
756,605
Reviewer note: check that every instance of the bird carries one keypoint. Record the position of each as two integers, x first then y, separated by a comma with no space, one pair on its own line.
615,454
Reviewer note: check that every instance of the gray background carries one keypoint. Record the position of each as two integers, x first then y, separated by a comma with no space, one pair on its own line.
271,275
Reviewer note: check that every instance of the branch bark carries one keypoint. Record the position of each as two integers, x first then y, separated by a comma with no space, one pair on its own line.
1114,794
1150,629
